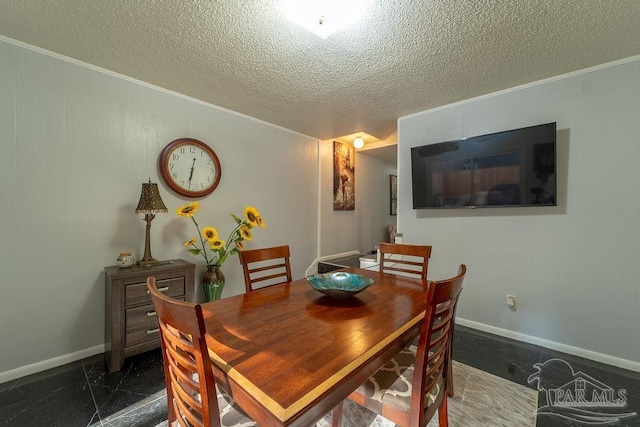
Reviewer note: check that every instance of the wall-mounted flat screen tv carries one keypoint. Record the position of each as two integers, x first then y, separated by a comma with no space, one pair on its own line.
511,168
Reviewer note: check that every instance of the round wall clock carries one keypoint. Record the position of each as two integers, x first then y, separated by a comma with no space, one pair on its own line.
190,167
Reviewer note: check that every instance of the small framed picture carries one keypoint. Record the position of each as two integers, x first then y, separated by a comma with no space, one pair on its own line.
393,181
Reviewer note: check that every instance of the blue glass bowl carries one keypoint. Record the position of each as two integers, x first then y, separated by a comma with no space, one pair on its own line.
339,284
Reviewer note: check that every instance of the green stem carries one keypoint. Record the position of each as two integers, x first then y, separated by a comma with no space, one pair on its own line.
234,231
223,255
204,249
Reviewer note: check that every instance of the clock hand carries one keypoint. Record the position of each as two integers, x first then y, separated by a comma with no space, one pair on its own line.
191,174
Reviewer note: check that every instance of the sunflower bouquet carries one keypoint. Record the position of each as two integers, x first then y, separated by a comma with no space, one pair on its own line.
214,250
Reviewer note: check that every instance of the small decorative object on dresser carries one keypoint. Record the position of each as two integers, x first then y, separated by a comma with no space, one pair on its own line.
131,326
125,260
213,280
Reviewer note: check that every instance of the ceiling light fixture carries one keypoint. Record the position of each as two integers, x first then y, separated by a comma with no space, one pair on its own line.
324,17
358,142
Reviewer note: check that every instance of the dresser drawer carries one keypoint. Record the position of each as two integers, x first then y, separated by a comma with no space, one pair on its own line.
143,335
141,318
137,294
142,325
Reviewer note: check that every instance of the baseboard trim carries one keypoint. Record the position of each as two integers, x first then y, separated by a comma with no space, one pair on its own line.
34,368
553,345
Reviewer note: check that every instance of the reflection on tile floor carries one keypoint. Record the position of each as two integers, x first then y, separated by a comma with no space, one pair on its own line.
150,411
84,393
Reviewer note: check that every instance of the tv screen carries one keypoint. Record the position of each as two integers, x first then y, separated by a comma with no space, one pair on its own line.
511,168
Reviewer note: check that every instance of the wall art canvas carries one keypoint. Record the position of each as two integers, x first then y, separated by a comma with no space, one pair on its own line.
394,194
344,177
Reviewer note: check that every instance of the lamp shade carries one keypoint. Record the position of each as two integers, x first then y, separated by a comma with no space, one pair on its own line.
150,200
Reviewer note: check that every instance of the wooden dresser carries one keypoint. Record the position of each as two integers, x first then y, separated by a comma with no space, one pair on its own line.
131,325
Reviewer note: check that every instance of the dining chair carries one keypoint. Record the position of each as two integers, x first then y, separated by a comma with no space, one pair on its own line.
412,260
403,259
192,396
266,266
412,386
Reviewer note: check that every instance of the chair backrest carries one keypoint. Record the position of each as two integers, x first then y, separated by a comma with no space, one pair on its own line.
408,260
433,346
184,351
266,267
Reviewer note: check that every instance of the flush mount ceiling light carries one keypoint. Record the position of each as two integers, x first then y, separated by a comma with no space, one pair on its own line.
358,142
324,17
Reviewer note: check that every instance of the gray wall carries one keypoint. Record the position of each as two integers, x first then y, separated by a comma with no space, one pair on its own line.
77,144
574,268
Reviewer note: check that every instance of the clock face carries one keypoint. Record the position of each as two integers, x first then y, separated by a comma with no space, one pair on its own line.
190,167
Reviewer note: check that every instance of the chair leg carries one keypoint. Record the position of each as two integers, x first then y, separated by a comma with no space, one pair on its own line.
449,373
171,414
336,416
449,367
443,413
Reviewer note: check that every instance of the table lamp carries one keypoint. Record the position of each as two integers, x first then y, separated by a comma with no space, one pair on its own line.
150,204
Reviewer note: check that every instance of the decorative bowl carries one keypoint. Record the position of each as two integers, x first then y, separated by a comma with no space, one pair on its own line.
339,284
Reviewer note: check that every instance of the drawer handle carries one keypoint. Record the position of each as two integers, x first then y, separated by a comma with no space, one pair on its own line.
153,331
151,313
163,289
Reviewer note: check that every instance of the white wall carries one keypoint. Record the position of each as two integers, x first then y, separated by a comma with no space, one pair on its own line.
574,268
363,228
77,144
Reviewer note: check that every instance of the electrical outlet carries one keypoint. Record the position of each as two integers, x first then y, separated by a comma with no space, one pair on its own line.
511,301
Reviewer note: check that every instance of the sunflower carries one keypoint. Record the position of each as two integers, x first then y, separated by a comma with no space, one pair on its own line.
216,244
187,211
207,242
210,233
246,233
252,215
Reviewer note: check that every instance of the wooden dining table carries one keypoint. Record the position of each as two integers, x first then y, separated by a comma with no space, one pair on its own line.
288,354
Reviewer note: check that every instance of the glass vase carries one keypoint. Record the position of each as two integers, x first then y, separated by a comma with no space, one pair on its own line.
212,283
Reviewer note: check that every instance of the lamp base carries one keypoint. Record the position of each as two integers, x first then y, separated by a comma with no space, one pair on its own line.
147,259
148,262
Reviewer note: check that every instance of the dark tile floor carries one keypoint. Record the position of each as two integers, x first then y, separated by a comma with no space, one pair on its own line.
81,393
84,393
515,360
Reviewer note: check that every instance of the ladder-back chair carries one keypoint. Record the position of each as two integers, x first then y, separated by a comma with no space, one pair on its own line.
412,386
403,259
265,267
192,397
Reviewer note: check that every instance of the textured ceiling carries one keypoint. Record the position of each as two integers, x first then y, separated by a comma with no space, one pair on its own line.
405,56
